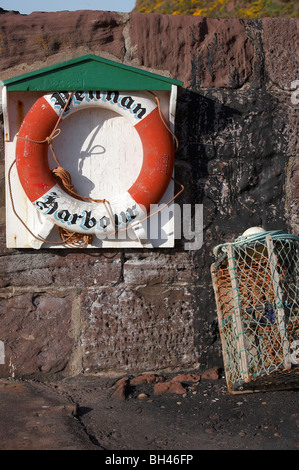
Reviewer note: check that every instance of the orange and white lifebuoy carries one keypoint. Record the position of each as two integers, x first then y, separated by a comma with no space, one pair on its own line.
64,210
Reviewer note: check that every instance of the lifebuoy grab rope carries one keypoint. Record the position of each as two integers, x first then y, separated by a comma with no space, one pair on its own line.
90,217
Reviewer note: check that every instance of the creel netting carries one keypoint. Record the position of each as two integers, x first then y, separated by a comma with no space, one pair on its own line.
256,285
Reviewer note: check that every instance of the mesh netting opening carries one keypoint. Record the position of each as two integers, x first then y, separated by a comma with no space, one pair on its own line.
256,284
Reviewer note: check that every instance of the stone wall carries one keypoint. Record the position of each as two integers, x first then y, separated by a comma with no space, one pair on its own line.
65,311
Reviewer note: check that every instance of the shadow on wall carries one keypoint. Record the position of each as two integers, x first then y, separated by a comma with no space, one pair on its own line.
198,119
232,160
206,156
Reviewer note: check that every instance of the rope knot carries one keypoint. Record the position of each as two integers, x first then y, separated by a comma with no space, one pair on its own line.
53,136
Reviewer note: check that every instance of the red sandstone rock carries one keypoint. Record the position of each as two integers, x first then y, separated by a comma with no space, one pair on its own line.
169,387
131,328
186,378
281,46
81,269
121,392
120,382
122,387
37,333
36,37
220,52
211,374
154,268
158,31
146,379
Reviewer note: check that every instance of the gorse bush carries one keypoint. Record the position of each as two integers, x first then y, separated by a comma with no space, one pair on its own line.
221,8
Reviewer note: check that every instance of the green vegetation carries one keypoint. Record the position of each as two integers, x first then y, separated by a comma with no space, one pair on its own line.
221,8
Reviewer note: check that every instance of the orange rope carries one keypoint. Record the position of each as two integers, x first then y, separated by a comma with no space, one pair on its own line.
163,120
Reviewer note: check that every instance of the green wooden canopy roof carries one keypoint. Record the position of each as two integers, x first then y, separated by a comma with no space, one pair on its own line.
89,72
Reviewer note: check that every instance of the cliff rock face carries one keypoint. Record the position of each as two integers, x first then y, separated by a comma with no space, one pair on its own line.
236,124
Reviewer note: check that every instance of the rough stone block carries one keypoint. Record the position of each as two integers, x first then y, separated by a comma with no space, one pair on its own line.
160,268
27,39
225,55
60,268
150,36
169,387
281,50
218,51
23,269
87,269
144,329
35,330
